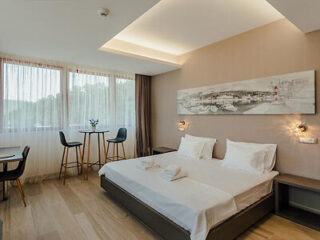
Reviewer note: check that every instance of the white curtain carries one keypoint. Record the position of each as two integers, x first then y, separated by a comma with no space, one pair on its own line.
31,113
38,100
125,101
89,96
106,97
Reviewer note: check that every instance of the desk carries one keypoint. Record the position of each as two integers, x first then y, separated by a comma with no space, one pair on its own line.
89,132
16,158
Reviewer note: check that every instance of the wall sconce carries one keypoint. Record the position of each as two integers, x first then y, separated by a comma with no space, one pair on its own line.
182,125
301,128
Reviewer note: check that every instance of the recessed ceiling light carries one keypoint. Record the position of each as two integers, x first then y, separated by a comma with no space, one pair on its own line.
103,12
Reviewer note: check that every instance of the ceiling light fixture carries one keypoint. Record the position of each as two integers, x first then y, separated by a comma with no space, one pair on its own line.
103,12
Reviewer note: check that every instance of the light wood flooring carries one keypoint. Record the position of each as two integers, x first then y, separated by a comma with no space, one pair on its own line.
82,210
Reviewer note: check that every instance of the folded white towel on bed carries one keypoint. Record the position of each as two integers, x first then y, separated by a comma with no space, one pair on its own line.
172,170
181,174
141,167
145,164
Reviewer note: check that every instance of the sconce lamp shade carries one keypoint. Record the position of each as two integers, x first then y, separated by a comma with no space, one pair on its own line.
182,126
301,128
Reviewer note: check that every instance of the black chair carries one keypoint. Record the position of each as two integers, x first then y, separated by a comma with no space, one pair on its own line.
121,137
65,164
16,173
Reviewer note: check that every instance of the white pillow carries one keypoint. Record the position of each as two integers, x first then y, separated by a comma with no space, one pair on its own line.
245,158
270,158
190,148
208,145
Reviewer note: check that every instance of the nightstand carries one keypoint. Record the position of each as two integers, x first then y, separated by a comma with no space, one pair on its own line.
160,150
289,186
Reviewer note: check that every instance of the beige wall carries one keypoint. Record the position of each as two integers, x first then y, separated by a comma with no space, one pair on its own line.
277,48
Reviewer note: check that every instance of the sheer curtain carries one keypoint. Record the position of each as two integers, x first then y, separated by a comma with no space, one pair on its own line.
106,97
38,100
31,113
125,101
125,109
89,96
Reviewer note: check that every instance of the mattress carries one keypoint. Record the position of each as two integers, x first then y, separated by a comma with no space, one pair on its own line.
209,194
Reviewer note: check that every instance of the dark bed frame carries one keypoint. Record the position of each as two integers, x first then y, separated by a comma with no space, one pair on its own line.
167,229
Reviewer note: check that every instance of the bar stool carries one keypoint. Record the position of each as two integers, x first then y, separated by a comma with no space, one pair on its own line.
121,137
65,163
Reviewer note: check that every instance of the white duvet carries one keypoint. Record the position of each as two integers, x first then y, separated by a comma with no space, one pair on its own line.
197,202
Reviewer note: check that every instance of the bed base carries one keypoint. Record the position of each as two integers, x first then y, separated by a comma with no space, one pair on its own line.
167,229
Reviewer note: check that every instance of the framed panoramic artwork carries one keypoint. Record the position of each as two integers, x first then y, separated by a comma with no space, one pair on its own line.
292,93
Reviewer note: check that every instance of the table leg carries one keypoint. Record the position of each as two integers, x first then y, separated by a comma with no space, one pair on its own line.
4,197
81,157
65,167
117,151
99,150
107,152
64,151
77,160
104,148
83,151
88,156
124,153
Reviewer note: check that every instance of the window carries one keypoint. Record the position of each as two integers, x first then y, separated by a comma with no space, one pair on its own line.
109,98
89,97
125,102
31,97
38,97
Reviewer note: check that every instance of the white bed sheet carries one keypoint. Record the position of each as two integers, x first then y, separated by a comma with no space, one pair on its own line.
210,194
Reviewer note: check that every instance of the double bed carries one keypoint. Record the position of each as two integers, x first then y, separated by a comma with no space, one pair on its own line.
212,202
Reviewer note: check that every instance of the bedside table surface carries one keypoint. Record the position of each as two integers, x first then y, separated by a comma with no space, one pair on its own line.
303,182
164,149
283,207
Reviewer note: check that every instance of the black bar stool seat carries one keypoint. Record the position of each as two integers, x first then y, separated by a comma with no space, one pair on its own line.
74,144
116,140
64,161
9,175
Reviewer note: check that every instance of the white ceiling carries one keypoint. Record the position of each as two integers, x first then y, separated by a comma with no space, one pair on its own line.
71,31
180,26
303,13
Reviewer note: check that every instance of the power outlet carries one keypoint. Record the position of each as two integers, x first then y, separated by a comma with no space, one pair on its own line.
308,140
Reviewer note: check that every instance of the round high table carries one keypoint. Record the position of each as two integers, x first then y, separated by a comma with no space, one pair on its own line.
89,132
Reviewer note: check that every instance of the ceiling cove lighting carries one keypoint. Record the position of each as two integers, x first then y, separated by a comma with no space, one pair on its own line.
169,29
129,49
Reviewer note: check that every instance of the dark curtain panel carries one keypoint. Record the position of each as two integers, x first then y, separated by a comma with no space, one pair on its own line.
143,115
1,95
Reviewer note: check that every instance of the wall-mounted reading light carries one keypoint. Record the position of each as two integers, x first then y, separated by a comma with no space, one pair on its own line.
301,127
182,126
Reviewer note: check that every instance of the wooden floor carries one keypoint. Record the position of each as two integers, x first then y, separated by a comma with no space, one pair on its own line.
82,210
